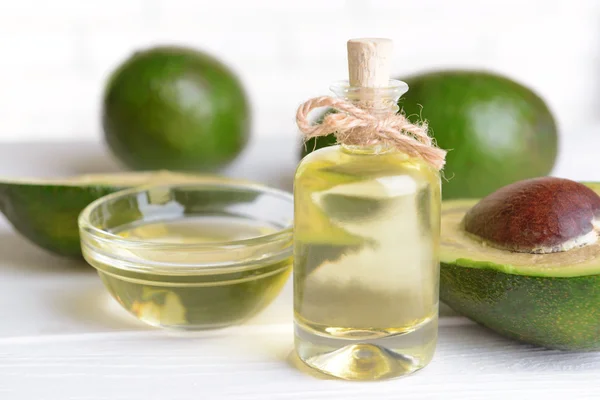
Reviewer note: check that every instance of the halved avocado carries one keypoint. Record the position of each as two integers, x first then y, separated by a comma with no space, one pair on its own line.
525,262
46,211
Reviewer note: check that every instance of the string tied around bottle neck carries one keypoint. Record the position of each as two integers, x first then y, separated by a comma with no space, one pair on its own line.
353,125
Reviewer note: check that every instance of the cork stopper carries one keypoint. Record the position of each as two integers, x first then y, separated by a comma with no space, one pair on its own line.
369,62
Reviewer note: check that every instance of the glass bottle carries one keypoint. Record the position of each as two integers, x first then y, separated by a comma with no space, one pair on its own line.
366,268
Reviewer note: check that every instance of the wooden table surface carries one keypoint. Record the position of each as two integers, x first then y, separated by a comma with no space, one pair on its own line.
62,336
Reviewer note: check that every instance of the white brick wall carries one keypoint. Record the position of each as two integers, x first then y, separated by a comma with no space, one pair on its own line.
55,55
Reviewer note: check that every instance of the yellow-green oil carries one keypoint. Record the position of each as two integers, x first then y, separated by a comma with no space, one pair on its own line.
215,298
366,267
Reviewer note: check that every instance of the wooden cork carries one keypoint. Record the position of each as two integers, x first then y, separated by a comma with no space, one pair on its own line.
369,62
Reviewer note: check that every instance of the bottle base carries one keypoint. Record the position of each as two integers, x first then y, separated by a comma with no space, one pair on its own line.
378,358
363,362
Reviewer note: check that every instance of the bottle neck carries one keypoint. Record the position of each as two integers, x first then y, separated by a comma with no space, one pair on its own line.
367,150
379,102
377,105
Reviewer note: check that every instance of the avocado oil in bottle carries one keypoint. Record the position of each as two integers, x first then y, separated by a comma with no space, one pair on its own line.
367,221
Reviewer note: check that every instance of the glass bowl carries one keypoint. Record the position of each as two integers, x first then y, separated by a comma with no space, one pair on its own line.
191,256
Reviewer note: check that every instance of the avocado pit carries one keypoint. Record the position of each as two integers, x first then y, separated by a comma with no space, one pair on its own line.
536,216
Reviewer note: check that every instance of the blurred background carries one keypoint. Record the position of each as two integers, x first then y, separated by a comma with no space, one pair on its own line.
57,55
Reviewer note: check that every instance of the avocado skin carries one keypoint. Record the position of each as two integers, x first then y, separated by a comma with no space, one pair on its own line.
177,108
497,130
47,214
556,313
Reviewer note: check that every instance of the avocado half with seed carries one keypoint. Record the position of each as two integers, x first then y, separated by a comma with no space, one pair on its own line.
46,211
525,262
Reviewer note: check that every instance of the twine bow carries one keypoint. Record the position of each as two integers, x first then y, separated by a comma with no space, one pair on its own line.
356,126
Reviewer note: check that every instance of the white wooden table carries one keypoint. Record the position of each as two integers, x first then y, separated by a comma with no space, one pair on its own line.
62,337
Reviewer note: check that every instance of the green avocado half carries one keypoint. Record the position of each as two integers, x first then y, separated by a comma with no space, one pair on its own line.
551,300
46,211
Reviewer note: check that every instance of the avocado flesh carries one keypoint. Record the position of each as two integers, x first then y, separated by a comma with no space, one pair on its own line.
550,300
46,211
461,249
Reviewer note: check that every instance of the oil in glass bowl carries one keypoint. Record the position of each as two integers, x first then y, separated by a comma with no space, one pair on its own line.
191,256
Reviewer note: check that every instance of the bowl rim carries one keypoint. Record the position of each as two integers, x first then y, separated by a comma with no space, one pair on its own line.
85,225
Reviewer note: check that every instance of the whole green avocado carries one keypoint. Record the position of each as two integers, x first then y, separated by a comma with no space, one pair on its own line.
496,130
175,108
